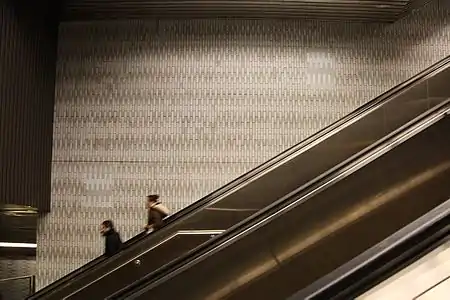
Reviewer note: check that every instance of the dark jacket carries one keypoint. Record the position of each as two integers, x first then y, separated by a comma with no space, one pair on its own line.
113,243
155,218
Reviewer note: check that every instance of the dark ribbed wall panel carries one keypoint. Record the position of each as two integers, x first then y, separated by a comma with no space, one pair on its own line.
27,74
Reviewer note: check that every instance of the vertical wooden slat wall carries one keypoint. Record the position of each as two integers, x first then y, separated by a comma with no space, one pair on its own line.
28,39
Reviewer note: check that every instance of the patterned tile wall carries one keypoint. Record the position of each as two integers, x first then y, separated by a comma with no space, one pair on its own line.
16,289
182,107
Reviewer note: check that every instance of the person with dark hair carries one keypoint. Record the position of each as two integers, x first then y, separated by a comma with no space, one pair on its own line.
156,213
113,242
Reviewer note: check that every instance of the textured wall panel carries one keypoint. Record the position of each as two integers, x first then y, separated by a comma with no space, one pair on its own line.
27,77
20,288
182,107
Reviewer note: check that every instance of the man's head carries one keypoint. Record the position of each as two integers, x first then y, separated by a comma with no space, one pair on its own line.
106,226
151,200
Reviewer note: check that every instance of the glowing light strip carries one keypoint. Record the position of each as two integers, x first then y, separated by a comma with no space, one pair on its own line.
17,245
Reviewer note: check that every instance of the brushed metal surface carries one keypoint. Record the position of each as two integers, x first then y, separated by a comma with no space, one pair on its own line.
326,231
349,10
384,259
297,171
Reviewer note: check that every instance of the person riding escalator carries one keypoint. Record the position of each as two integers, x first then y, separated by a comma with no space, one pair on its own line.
156,213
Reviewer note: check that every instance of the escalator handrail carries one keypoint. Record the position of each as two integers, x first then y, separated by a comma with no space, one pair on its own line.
246,178
258,219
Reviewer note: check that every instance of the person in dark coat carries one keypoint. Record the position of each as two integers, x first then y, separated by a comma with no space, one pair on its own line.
113,242
156,213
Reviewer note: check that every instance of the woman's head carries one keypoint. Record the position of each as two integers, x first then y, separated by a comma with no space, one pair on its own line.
151,199
106,226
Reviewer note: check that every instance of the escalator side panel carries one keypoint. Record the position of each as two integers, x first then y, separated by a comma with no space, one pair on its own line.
326,231
438,86
413,101
384,259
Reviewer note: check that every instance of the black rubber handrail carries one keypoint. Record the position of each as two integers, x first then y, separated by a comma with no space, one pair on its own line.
242,180
254,220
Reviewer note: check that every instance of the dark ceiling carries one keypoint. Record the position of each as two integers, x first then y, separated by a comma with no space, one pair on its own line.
343,10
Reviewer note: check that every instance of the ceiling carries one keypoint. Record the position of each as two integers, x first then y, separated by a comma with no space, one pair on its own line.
342,10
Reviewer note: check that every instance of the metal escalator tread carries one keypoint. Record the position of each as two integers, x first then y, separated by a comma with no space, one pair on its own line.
308,161
418,167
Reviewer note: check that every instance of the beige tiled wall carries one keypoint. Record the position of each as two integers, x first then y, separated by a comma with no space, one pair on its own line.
180,108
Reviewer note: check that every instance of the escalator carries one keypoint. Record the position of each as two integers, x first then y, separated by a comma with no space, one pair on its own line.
295,242
297,168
